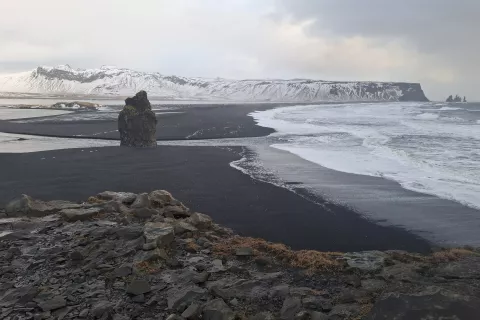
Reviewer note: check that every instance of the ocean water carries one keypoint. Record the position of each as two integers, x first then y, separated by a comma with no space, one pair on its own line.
431,148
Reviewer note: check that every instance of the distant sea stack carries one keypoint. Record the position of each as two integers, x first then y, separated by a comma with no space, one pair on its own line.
137,123
112,81
456,99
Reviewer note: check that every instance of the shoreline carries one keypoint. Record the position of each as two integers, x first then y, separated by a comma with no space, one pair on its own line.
203,177
209,123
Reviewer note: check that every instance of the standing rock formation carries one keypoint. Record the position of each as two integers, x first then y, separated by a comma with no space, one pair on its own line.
137,122
456,99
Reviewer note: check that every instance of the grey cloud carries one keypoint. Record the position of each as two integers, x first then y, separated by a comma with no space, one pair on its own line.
444,29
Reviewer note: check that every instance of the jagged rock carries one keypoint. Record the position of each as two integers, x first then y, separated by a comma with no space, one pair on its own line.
466,268
160,198
345,311
317,303
182,227
52,304
123,197
26,205
353,280
291,306
219,292
174,317
366,261
137,287
139,299
144,213
129,233
401,272
301,291
101,308
84,313
81,214
314,315
184,296
76,256
431,303
217,310
280,291
160,233
262,316
201,277
141,201
200,220
178,212
373,285
191,312
351,295
123,271
137,122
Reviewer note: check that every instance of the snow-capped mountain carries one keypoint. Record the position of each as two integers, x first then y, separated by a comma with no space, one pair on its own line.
124,82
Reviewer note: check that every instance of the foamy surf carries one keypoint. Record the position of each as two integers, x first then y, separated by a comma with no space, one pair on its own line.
403,142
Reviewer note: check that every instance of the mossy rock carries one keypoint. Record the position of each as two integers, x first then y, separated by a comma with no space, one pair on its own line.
130,110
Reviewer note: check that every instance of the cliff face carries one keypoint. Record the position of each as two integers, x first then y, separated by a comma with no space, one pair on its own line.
115,81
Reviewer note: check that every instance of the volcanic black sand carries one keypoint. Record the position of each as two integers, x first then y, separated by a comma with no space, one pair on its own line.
199,176
203,179
192,122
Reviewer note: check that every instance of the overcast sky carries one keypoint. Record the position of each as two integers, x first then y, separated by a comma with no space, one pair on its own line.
434,42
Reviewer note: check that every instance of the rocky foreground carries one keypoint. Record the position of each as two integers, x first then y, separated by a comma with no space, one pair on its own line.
147,256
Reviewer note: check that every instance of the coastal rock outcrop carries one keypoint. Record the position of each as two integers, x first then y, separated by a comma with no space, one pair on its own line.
115,264
137,123
456,99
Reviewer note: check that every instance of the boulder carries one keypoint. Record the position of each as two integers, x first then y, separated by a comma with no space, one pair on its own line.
137,122
53,304
373,285
123,197
465,268
182,227
366,261
291,306
137,287
141,201
27,206
191,312
200,220
217,310
160,198
160,233
184,296
101,308
431,303
80,214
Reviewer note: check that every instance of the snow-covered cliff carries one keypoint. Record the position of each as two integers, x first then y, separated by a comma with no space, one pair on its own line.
124,82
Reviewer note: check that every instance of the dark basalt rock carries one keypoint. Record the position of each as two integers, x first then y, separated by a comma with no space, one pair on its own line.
137,122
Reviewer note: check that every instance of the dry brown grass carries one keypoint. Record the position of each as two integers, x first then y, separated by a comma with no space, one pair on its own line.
148,267
304,259
364,310
450,255
192,246
94,200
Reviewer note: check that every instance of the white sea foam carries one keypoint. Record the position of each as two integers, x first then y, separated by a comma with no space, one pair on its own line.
449,109
403,142
10,113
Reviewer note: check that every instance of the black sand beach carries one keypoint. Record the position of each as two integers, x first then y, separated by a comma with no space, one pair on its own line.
203,179
185,122
200,176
